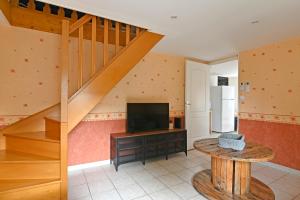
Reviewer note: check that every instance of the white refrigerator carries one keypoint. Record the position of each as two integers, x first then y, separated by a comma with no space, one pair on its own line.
222,107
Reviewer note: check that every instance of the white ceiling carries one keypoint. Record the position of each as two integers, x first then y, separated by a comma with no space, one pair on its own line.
227,69
204,29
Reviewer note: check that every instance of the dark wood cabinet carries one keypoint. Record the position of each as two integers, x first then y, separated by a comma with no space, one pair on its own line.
130,147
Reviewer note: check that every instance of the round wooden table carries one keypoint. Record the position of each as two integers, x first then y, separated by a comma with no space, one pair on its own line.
230,174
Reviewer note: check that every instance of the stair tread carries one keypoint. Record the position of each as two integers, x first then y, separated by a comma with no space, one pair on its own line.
14,156
7,185
32,135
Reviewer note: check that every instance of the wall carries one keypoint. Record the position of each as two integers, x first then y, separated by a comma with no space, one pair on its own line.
270,113
234,81
156,78
29,82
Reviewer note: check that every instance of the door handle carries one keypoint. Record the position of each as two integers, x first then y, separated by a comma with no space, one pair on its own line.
188,103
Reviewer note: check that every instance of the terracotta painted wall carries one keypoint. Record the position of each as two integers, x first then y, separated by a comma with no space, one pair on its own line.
270,113
29,82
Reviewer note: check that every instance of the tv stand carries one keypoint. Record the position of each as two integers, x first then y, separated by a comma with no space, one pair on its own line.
140,146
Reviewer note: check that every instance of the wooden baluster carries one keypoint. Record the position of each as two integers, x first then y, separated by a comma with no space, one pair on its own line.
117,34
94,31
31,5
47,9
80,56
127,33
61,12
137,31
14,3
105,43
74,15
64,109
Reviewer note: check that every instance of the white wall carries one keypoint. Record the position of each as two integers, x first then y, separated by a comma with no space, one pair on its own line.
233,81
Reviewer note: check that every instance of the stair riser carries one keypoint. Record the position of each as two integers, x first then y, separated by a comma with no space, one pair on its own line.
42,192
52,129
30,170
37,147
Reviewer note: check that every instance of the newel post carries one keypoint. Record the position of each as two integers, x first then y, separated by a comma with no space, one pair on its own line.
64,108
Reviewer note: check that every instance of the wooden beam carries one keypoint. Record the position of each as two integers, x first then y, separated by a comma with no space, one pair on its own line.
93,50
105,43
117,35
80,57
31,5
47,9
127,34
79,23
64,108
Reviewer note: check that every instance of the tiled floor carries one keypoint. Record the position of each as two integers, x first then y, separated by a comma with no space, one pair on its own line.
165,180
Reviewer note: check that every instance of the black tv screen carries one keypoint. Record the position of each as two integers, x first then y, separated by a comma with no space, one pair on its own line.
147,116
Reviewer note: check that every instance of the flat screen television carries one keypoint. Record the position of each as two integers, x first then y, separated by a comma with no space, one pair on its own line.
147,116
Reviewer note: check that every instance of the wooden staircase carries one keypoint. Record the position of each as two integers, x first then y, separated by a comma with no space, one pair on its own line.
34,163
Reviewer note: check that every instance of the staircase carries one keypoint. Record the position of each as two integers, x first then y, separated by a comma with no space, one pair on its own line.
34,163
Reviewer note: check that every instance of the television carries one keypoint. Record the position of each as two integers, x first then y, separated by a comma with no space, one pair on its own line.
147,116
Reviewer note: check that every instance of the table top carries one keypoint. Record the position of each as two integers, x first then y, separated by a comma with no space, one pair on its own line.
144,133
251,153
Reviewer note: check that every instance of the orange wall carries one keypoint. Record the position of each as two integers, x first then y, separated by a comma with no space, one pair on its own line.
273,73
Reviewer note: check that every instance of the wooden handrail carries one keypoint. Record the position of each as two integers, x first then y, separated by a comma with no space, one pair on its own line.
80,22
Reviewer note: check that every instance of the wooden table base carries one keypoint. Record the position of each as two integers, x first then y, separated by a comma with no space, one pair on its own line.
202,181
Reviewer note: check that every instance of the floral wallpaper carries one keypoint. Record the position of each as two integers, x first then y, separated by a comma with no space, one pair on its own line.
30,74
273,72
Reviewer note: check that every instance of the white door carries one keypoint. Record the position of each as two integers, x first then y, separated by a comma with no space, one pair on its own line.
196,101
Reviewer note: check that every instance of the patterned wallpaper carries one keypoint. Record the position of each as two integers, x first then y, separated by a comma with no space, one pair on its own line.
30,73
156,78
273,72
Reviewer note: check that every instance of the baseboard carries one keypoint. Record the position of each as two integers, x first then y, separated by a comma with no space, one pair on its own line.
88,165
282,168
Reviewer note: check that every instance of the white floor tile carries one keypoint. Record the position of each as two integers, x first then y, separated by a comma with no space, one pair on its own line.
184,190
121,181
132,191
185,175
170,179
271,172
198,197
174,167
100,186
162,179
108,195
290,189
158,171
78,191
95,175
142,176
143,198
76,178
152,185
165,194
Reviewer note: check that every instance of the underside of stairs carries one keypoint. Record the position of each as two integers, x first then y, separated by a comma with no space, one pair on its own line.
34,163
